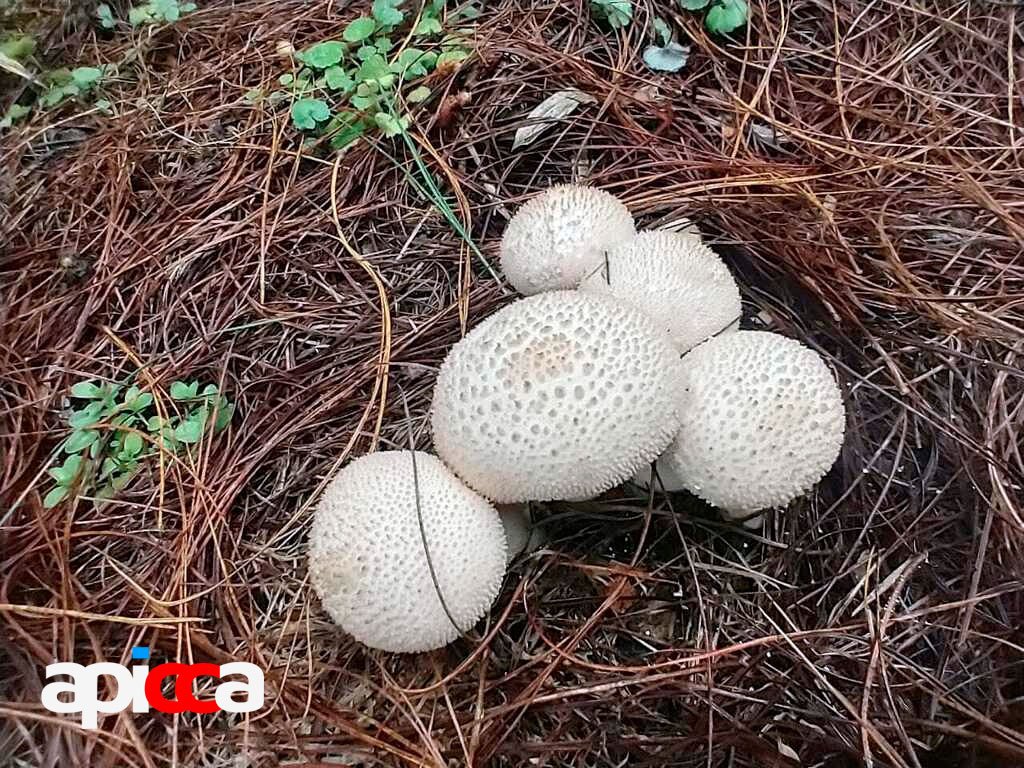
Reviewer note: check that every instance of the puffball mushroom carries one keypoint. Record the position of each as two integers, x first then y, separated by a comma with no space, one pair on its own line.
560,236
367,560
521,534
677,280
557,396
762,422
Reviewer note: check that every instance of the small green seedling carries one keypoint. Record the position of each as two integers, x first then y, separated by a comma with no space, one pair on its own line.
157,12
662,31
57,87
18,47
53,88
617,13
69,84
105,16
115,429
14,113
667,55
151,12
723,16
343,88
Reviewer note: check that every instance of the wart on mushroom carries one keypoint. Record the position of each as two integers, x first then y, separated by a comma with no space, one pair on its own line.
367,560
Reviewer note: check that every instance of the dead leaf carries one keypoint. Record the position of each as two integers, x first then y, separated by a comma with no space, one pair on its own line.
787,751
767,135
548,112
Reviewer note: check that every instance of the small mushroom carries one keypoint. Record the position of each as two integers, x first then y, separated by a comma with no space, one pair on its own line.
762,422
560,236
676,280
557,396
367,560
523,536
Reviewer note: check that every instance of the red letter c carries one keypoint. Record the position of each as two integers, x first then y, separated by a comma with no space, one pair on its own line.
183,688
155,696
184,700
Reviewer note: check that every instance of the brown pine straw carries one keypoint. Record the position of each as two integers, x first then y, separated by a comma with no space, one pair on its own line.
858,165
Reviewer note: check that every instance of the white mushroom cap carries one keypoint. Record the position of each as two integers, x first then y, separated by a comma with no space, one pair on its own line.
560,236
368,564
677,280
520,533
762,421
558,396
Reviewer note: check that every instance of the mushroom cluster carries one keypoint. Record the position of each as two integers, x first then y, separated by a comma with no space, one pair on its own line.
623,361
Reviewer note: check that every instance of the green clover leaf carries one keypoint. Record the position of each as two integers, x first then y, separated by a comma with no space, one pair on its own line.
359,30
105,16
14,113
429,25
182,391
88,416
87,390
86,77
189,431
55,497
390,125
324,55
338,79
80,440
452,57
132,444
662,30
417,95
726,16
386,14
374,68
671,58
308,113
412,62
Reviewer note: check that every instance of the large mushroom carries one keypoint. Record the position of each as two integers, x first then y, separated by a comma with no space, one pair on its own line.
762,422
558,396
369,565
560,236
676,280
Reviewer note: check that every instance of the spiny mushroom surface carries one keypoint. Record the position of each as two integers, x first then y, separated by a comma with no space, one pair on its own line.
560,236
676,280
368,564
558,396
762,422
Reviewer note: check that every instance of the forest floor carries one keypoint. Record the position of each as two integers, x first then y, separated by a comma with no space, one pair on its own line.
858,166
